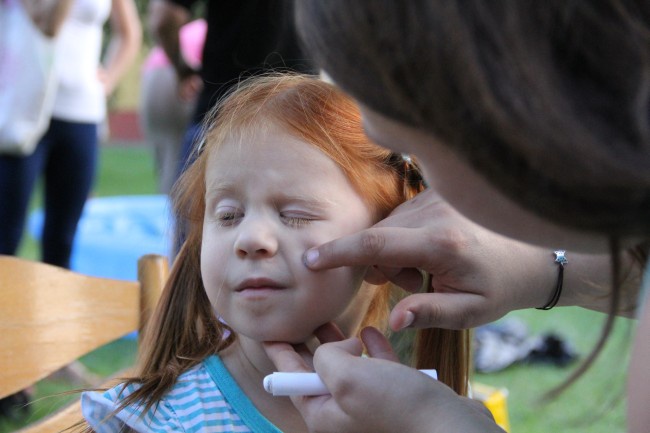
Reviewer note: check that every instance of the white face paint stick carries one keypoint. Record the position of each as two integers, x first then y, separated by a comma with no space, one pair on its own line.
287,384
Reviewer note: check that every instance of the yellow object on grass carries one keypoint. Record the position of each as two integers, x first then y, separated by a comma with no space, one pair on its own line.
496,400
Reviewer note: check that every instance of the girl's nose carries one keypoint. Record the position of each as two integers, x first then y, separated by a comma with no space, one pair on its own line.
256,239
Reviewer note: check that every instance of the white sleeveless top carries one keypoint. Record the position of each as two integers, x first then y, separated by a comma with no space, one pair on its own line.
80,95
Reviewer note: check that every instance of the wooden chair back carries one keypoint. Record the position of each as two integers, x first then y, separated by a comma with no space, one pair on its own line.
49,317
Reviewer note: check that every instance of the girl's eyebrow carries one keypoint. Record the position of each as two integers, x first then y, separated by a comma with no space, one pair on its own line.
220,187
311,202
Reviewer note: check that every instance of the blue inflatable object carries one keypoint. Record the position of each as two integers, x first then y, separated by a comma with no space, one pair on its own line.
114,232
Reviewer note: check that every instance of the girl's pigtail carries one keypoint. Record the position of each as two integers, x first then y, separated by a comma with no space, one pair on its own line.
446,350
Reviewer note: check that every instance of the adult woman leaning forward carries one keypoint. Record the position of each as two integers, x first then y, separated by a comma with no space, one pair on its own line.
532,121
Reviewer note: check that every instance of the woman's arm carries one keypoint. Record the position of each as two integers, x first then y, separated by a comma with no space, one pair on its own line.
165,22
124,44
478,276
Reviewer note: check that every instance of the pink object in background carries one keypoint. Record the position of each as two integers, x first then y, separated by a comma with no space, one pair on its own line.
192,38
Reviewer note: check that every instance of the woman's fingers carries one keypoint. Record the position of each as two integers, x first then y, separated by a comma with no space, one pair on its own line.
377,344
442,310
329,333
382,246
286,358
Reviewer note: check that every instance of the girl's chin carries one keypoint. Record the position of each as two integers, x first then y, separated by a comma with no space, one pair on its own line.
288,337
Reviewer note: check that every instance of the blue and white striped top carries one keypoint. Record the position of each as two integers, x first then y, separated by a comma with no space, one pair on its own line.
205,398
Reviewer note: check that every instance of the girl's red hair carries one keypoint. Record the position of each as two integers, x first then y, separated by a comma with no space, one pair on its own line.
185,330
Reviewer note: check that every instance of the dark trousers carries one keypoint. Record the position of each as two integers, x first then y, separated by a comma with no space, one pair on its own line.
187,157
66,157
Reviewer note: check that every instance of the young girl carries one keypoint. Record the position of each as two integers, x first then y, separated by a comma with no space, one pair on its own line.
284,166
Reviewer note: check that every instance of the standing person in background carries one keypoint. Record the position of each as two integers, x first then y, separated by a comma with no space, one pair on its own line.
48,16
165,112
243,38
66,155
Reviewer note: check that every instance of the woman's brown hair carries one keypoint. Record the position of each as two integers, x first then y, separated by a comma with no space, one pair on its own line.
549,100
184,329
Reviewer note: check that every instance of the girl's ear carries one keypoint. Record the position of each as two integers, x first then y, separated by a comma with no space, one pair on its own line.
375,276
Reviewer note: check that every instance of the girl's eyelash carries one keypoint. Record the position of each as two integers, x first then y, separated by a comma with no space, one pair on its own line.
226,218
229,218
297,221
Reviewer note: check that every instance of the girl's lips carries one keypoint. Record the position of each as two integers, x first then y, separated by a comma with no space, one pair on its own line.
258,284
259,289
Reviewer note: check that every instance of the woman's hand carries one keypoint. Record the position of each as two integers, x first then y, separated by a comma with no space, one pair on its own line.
189,87
376,393
477,275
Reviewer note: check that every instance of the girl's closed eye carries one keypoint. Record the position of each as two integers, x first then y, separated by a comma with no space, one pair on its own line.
228,216
297,219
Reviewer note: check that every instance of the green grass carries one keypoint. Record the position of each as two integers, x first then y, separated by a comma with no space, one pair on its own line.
125,171
593,405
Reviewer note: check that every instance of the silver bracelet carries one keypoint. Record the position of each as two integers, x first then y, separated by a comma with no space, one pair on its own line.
561,260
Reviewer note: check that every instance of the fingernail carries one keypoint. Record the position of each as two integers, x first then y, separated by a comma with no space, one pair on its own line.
409,318
310,257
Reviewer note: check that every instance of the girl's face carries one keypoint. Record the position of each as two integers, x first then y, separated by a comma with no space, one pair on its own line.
270,197
470,193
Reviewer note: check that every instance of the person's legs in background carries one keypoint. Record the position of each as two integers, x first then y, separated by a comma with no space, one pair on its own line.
192,134
187,157
69,175
18,176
